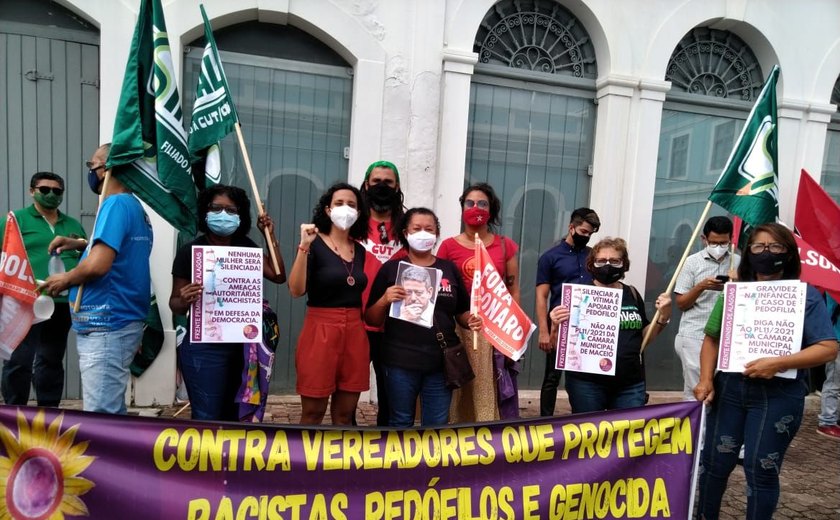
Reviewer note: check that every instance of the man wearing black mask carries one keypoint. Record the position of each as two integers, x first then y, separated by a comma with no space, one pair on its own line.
563,263
381,192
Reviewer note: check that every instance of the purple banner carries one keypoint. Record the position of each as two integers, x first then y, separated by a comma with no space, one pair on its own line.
634,463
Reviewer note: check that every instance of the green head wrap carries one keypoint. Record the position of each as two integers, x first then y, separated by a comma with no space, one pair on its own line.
383,164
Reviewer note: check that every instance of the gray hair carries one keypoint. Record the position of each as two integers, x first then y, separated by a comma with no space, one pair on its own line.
417,274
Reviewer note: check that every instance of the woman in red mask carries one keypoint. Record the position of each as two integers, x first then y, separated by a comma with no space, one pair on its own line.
493,394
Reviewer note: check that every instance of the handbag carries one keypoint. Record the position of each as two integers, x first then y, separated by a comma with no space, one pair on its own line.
457,370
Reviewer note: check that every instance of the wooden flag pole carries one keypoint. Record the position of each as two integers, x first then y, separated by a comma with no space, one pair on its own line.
269,238
78,303
474,307
673,281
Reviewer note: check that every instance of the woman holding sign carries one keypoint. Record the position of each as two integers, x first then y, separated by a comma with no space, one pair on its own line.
411,351
493,394
609,262
332,356
213,371
756,408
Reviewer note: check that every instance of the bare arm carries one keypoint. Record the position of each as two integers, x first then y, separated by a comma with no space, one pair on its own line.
297,278
265,224
183,295
541,310
663,305
377,312
705,389
815,355
686,300
94,266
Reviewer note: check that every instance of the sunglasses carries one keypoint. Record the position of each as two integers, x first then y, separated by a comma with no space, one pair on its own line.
46,189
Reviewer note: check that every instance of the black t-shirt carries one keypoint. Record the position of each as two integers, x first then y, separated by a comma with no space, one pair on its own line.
182,265
327,273
415,347
629,368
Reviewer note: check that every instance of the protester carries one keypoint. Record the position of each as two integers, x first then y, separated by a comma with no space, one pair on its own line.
114,273
697,288
39,359
382,195
563,263
493,394
333,355
212,371
830,394
608,262
755,408
412,354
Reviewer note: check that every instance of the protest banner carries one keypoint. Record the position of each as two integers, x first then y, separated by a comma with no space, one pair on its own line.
229,309
505,325
588,340
761,319
635,463
17,290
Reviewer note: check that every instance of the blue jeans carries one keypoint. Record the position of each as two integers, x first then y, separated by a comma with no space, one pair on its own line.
104,359
761,414
589,396
404,386
212,374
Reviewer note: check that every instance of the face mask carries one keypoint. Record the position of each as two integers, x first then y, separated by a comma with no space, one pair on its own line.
716,252
580,240
222,223
343,217
48,201
381,197
768,263
607,274
94,181
476,217
421,241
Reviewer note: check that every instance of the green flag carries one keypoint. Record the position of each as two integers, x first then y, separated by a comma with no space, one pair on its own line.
749,186
214,115
149,151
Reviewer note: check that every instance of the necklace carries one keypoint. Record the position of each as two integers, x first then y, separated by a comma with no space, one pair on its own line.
350,280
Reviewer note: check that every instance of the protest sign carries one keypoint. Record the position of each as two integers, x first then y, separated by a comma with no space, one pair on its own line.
635,463
588,340
421,289
761,319
229,309
17,289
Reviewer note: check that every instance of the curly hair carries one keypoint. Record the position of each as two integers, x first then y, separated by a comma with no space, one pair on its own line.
359,230
402,234
782,235
495,204
239,198
614,242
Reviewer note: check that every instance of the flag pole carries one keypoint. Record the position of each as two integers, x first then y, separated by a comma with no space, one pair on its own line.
473,305
269,238
78,303
673,281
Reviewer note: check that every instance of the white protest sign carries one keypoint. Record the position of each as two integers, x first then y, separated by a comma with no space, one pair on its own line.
229,309
588,340
761,319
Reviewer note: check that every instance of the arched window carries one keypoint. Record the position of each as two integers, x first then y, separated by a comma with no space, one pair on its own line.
531,128
830,178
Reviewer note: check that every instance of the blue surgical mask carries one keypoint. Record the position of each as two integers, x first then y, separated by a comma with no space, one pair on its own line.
94,181
222,223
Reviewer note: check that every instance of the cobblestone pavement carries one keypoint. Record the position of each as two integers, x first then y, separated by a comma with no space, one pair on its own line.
810,476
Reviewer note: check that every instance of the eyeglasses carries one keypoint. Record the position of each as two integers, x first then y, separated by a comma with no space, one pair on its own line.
757,248
383,233
46,189
218,208
483,204
93,167
615,262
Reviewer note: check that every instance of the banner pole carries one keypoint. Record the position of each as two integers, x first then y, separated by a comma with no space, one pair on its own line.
473,306
78,303
673,282
269,238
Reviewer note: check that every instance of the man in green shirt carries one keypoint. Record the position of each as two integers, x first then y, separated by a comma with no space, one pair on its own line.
39,359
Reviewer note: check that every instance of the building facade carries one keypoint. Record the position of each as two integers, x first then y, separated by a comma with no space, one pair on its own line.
630,107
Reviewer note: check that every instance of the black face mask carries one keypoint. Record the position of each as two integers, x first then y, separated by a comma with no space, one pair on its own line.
607,274
579,240
381,197
767,263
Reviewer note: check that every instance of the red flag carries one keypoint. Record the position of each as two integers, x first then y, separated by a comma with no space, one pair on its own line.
818,270
17,290
506,325
737,224
817,218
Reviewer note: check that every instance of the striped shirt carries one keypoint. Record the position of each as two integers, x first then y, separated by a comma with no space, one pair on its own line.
698,267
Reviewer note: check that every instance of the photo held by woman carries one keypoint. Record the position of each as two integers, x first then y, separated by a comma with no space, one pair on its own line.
494,393
413,348
332,357
212,372
608,262
758,409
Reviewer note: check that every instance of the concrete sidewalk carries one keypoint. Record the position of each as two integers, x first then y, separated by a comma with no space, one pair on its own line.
810,478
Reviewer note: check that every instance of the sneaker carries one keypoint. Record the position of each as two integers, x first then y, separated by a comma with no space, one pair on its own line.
832,432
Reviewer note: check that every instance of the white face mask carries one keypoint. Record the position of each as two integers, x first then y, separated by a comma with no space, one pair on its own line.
421,241
716,252
343,217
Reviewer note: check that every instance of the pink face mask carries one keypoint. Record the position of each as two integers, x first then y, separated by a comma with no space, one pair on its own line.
476,217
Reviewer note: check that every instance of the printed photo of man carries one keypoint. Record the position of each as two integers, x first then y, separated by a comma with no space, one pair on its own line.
420,284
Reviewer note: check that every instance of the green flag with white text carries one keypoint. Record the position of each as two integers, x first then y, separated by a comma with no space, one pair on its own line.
149,151
214,115
749,185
